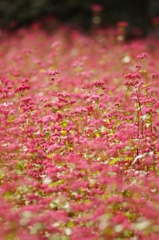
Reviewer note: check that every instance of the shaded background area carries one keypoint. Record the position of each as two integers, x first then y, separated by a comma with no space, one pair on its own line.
17,13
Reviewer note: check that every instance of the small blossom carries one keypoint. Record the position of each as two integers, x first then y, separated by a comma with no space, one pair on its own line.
142,56
96,8
154,75
122,24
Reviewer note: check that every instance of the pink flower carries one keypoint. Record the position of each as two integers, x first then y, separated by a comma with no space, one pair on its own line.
96,7
155,20
142,56
122,24
154,75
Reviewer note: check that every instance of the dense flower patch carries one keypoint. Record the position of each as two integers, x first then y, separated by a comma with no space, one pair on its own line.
79,149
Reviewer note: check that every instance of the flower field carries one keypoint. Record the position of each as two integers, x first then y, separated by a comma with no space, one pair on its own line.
79,130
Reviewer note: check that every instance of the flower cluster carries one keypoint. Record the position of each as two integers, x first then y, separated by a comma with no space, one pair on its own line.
79,155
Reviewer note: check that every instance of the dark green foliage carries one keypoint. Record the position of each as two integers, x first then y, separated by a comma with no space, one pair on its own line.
15,13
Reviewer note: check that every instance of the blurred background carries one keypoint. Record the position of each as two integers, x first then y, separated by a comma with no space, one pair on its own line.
79,14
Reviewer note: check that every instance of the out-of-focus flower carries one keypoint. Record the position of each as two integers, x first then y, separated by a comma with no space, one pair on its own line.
96,7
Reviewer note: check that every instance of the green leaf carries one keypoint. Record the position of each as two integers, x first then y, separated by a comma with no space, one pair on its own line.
115,160
63,124
11,118
47,135
63,132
